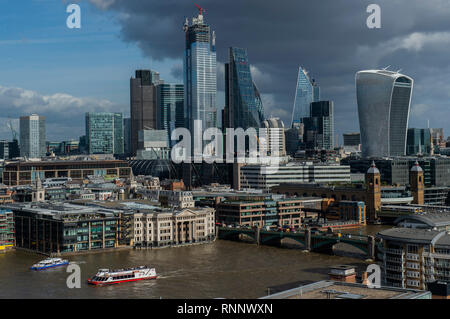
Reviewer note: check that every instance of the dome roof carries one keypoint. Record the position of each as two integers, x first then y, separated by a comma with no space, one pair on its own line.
416,167
373,169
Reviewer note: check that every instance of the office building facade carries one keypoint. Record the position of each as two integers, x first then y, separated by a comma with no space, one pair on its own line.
384,99
200,76
243,105
170,107
419,141
104,133
319,126
32,136
143,108
307,91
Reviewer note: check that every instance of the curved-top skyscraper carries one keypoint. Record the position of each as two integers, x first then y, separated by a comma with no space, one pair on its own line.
384,99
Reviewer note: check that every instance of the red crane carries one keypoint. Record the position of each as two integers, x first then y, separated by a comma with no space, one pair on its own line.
200,9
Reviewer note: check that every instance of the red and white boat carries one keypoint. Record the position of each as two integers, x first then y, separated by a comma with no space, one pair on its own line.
106,276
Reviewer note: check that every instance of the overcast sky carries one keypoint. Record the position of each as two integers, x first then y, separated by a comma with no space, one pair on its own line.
62,73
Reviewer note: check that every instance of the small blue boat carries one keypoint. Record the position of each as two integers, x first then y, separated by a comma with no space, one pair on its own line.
49,263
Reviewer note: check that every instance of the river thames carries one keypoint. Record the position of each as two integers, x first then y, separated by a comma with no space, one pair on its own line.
222,269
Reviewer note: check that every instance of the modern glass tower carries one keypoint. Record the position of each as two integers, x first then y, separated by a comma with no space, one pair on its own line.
32,136
200,77
170,107
243,106
319,127
307,91
143,109
104,133
384,99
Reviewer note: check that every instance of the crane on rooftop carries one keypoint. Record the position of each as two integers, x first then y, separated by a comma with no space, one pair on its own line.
200,9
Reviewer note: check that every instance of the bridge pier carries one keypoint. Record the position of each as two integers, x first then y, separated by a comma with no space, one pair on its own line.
371,247
308,239
258,236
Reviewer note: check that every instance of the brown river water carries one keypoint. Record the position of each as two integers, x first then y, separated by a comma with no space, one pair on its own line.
222,269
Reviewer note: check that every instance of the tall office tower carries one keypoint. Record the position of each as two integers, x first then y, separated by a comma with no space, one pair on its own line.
243,107
274,135
127,136
418,141
384,99
104,133
319,127
200,75
143,108
293,137
307,91
32,136
170,107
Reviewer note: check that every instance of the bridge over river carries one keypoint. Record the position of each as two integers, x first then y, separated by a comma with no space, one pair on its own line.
318,242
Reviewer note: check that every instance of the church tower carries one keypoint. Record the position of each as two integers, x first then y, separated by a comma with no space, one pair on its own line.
416,184
373,202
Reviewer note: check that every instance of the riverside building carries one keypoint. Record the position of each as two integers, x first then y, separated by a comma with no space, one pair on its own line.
167,227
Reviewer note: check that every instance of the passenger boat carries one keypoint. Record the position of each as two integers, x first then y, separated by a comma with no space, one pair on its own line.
49,263
106,276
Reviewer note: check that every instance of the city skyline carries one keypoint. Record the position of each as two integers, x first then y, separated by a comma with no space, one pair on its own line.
50,97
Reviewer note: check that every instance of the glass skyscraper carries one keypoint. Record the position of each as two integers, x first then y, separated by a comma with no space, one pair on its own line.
104,133
319,127
307,91
200,78
170,107
384,99
143,110
243,105
32,136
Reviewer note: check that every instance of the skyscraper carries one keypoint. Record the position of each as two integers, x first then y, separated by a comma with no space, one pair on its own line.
143,109
170,107
384,99
243,105
307,91
419,141
104,133
127,136
32,136
200,78
319,127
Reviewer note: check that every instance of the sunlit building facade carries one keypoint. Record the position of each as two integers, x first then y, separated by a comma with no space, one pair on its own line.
307,91
384,99
200,78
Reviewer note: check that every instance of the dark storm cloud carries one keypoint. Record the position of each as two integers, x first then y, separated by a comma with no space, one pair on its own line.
330,38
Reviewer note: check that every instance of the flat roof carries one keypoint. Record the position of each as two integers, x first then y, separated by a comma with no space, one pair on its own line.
328,289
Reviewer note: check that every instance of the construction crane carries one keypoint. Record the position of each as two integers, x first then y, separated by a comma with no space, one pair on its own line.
13,131
200,9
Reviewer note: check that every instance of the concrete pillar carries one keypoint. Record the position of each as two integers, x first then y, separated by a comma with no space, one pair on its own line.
371,247
258,236
308,239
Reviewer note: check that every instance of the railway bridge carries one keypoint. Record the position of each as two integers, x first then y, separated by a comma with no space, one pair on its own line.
318,242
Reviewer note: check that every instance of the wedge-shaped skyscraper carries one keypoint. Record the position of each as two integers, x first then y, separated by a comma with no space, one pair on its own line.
384,99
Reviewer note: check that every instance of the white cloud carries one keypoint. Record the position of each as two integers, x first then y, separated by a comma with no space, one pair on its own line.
63,112
103,4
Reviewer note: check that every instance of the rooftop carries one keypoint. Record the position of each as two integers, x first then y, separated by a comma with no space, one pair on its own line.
327,289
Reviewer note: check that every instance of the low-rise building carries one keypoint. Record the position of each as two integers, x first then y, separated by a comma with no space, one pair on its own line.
60,228
166,227
7,237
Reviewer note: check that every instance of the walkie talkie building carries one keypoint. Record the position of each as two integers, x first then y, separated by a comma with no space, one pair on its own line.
384,99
